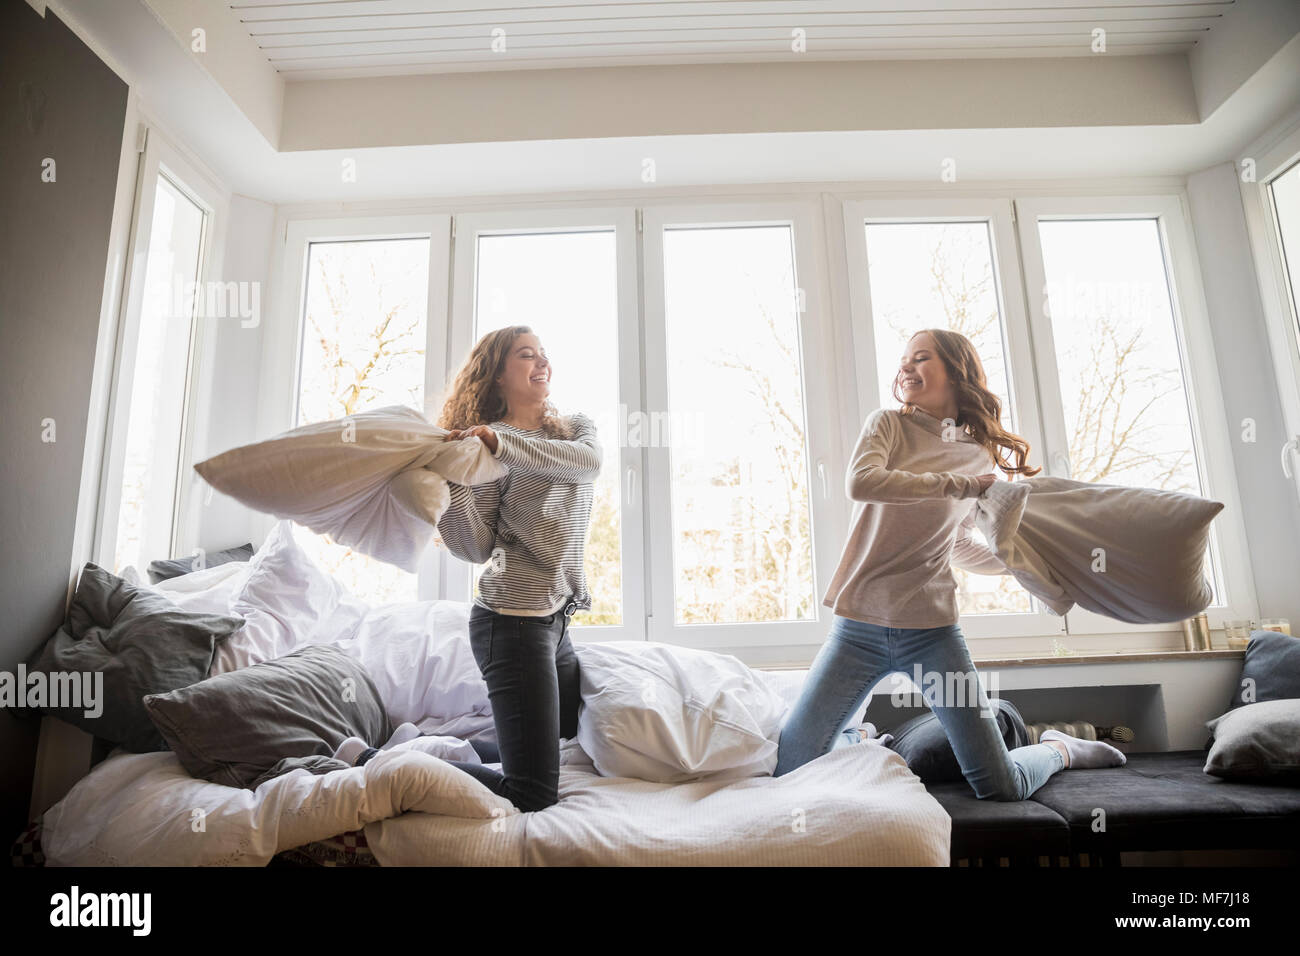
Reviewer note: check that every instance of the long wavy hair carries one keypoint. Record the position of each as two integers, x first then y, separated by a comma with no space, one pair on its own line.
978,409
476,399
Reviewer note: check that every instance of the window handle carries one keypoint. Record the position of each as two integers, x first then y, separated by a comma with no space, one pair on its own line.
821,474
631,486
1061,464
1290,446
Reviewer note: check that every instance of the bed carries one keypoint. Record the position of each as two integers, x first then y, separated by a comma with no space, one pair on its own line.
685,780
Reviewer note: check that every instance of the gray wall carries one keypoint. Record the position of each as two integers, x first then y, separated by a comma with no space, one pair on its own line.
59,101
1269,504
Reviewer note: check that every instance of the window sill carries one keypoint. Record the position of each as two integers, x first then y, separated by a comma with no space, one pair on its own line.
1135,657
1120,657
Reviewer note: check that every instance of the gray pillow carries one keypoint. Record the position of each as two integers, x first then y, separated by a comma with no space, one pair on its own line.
163,569
246,726
1270,670
1259,742
140,642
923,743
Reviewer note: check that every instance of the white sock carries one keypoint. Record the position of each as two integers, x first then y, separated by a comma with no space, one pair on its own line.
1086,754
350,750
405,731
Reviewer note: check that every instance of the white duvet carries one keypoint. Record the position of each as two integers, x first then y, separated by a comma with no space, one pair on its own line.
855,806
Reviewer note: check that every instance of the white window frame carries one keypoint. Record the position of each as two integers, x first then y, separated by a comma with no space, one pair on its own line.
1281,311
282,348
161,158
456,581
829,512
998,213
1209,420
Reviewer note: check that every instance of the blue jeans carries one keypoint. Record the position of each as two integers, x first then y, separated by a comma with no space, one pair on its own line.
532,677
857,655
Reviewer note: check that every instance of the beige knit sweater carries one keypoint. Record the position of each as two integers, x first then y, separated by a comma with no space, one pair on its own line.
912,480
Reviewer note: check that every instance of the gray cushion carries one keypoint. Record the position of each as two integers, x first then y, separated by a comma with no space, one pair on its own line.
140,642
1257,742
1271,669
247,726
163,569
923,743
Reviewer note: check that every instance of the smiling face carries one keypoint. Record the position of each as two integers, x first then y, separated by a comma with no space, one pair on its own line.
526,377
922,378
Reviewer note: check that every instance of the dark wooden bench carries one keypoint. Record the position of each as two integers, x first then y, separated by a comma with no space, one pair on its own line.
1155,802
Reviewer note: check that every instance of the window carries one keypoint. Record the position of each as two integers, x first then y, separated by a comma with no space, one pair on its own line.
739,477
926,263
364,328
145,490
943,275
565,287
162,360
698,338
746,508
1118,345
364,302
570,275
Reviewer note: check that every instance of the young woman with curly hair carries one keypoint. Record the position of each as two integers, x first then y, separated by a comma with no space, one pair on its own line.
913,474
530,526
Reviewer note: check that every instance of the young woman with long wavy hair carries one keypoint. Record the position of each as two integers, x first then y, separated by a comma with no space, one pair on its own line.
914,472
530,526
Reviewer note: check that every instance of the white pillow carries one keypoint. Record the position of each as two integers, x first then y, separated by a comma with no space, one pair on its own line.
212,590
419,657
373,481
670,714
286,602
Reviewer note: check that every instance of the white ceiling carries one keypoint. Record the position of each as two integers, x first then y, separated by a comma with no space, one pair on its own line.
354,38
230,108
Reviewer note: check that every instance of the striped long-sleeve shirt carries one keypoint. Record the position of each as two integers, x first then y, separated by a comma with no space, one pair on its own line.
531,523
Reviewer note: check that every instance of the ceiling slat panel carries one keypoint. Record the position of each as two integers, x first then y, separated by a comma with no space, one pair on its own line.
304,38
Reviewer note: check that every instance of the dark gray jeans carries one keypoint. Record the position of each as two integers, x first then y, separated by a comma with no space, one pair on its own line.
531,672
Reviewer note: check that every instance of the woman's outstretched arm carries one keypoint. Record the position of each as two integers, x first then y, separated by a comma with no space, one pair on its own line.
575,461
870,479
469,525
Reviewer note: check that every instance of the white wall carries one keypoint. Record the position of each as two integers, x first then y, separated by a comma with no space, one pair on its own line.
1271,510
236,370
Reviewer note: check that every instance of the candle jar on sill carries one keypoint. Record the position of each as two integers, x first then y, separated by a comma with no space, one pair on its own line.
1196,633
1237,634
1279,624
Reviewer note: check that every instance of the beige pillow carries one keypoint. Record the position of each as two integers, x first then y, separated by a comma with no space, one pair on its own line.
1133,554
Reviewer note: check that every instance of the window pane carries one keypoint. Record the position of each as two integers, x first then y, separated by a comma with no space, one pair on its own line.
156,415
1285,190
742,542
1117,355
941,275
565,287
364,332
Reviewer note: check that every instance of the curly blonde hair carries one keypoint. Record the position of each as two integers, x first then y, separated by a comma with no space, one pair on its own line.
978,409
475,398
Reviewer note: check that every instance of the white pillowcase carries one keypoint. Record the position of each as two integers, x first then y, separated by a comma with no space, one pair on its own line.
670,714
212,590
286,602
375,481
418,654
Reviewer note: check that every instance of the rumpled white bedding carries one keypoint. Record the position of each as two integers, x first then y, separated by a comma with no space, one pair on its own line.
697,729
855,806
